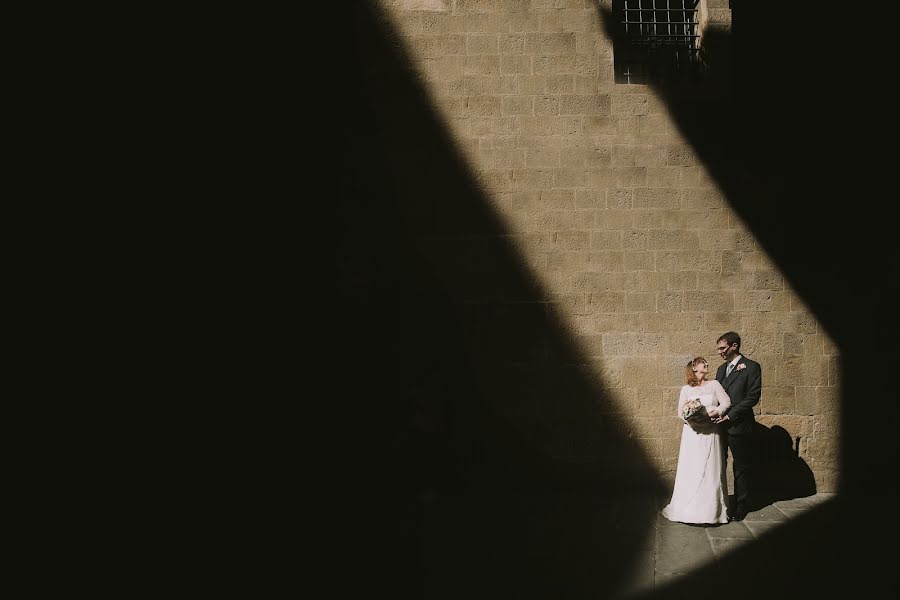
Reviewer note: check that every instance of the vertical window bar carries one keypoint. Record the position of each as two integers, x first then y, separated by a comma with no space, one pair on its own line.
689,30
641,27
674,18
679,30
694,32
679,27
669,20
636,5
648,27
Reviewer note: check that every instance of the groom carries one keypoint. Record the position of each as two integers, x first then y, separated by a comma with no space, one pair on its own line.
742,380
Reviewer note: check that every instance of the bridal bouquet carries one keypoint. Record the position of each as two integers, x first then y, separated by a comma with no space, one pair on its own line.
693,410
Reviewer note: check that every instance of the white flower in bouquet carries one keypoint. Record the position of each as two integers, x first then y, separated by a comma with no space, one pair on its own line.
693,410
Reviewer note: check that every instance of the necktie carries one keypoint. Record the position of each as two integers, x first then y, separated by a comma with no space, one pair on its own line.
729,369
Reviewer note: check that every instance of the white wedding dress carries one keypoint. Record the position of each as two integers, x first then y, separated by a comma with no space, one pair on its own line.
700,485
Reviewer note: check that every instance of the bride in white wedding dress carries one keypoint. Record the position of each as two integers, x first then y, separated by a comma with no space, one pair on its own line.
700,485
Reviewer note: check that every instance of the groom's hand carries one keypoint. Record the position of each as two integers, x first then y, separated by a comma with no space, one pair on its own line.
721,420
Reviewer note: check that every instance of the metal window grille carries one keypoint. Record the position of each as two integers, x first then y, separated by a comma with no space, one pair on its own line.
658,39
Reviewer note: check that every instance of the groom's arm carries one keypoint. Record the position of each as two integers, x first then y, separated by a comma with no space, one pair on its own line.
741,408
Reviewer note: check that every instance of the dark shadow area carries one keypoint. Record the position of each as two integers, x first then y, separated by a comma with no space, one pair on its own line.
781,473
484,457
785,131
790,123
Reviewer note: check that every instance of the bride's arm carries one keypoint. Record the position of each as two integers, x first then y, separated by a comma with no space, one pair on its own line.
721,397
682,398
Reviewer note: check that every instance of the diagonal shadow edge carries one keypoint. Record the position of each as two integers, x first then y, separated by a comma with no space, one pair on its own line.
442,217
759,132
754,183
798,559
510,476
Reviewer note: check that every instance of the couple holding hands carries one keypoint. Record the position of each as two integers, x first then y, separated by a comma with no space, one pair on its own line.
718,416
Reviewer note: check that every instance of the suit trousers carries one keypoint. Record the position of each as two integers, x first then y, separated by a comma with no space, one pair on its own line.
743,457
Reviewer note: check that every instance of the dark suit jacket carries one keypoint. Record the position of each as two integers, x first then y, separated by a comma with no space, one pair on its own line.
744,387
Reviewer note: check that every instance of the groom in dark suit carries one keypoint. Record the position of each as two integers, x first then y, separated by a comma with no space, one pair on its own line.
742,380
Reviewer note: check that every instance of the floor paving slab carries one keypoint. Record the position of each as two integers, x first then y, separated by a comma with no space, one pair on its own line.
768,513
722,546
733,530
677,549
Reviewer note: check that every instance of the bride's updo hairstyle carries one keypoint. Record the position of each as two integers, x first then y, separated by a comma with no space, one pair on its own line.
690,377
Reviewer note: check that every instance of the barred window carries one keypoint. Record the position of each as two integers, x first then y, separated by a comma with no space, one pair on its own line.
656,40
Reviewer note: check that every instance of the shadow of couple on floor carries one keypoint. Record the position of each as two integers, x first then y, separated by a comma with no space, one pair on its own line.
779,471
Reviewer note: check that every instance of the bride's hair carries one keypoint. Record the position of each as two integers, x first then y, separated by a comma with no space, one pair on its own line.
690,377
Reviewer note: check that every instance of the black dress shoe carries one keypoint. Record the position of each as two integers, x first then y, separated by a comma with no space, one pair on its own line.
736,518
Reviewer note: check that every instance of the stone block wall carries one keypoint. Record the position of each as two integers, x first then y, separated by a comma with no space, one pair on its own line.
635,249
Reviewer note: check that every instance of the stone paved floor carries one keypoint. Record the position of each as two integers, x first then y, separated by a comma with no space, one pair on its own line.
675,549
585,546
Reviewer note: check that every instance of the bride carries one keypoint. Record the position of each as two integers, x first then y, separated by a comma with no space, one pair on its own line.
700,485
